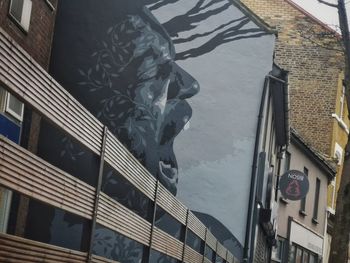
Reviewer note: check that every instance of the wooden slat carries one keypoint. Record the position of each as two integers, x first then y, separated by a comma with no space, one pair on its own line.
115,216
206,260
124,162
169,203
24,77
192,256
211,240
33,177
26,173
166,244
196,225
98,259
221,250
17,249
230,258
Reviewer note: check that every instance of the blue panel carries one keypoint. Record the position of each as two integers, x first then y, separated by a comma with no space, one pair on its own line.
9,129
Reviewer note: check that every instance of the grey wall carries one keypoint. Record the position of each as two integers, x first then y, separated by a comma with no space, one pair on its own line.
215,154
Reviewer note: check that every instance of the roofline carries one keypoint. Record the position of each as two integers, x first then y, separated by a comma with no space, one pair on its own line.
315,19
297,140
256,19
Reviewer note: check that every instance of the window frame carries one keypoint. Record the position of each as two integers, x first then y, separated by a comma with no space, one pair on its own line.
302,210
26,14
10,111
316,201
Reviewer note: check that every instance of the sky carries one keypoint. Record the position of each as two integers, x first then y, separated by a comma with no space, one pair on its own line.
326,14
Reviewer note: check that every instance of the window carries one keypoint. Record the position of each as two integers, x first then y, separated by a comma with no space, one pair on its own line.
5,202
279,250
303,201
20,10
287,162
298,254
2,99
317,195
342,102
14,107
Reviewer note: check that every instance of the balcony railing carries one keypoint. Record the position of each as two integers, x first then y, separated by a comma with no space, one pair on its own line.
28,174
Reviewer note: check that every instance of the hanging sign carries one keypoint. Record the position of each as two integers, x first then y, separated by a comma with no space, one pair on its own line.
294,185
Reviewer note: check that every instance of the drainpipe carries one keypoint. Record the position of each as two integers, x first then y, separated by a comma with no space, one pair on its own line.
251,222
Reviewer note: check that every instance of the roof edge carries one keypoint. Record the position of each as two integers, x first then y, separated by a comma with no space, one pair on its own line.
256,19
315,19
313,154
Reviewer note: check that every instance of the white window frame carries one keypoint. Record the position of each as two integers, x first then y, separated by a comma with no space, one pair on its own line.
24,21
10,111
342,102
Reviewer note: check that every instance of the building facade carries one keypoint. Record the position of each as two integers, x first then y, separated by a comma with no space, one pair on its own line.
302,225
313,70
30,25
272,143
318,108
94,176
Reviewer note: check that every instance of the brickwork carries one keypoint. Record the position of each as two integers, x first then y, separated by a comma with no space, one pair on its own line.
313,69
37,41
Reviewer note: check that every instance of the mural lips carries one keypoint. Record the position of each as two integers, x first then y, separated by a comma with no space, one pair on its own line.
294,185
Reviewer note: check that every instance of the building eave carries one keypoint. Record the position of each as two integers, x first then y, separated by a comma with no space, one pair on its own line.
313,18
256,19
314,156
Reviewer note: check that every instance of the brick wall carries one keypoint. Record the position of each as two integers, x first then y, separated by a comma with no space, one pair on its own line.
314,70
37,41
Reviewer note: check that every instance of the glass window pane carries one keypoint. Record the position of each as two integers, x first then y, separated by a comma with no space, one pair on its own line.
55,226
291,254
209,253
121,190
298,256
157,257
16,9
305,257
66,153
312,258
168,224
112,245
194,241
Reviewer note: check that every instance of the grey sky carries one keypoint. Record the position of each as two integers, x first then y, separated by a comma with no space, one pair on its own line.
326,14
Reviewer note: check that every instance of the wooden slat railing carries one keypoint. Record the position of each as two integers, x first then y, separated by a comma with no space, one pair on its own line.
113,215
170,204
196,225
26,173
167,244
192,256
17,249
29,175
124,162
97,259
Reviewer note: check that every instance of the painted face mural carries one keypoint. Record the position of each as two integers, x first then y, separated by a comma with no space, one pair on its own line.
127,78
118,59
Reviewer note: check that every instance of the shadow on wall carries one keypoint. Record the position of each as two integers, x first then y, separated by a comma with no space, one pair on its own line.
201,11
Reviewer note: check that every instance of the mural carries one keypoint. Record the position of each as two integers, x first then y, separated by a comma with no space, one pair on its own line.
138,65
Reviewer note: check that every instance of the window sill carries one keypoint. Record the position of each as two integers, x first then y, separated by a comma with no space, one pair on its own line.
314,221
302,213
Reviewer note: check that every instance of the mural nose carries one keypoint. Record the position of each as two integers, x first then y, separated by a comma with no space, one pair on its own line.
186,84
